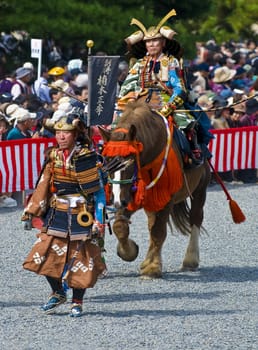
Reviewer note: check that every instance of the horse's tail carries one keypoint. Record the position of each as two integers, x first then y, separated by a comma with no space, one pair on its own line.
180,214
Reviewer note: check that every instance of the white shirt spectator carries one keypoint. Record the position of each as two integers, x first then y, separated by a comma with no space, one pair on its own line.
41,89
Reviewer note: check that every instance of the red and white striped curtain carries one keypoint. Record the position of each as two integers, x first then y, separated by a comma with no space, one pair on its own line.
21,160
20,163
235,148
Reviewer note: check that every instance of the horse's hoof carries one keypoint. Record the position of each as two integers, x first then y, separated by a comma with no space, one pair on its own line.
145,277
192,268
150,277
129,252
150,273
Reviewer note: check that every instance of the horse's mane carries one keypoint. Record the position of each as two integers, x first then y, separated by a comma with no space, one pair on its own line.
149,125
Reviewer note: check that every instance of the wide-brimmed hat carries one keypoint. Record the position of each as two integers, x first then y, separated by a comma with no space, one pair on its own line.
21,115
223,74
251,106
59,84
22,72
10,108
240,108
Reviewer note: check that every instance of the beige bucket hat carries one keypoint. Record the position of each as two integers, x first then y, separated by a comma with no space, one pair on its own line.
223,74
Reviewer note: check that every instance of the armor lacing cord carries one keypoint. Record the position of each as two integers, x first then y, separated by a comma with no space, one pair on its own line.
143,74
65,156
53,189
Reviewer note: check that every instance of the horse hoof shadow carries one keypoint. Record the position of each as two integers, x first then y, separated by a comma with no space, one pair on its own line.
188,268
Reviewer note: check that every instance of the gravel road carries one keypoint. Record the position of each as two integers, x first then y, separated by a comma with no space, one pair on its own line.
213,308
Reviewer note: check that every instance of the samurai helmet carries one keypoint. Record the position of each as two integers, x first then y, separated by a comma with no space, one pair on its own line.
159,31
66,124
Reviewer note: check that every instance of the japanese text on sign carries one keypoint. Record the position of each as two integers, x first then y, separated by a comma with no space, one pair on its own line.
102,83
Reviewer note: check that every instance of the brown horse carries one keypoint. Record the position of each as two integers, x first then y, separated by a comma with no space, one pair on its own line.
154,179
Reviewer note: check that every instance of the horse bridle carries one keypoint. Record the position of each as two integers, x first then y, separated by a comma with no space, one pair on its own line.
137,171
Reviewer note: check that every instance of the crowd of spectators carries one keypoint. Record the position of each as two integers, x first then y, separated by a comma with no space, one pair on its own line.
222,80
221,76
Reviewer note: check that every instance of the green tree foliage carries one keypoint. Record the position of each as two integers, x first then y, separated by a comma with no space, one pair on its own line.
107,22
230,19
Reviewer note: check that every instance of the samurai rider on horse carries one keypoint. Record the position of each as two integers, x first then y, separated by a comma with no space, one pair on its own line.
157,77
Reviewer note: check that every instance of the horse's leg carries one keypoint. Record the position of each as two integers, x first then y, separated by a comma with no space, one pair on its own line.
151,267
192,255
127,249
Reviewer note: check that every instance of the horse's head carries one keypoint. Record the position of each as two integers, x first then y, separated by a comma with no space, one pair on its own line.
140,136
122,142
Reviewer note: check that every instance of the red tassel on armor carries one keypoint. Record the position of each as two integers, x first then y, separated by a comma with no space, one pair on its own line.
139,195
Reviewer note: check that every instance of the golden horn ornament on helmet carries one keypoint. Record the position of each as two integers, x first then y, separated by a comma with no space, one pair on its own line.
157,28
152,32
139,24
164,19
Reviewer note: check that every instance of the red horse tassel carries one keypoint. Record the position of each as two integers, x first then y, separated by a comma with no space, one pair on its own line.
237,214
141,185
121,148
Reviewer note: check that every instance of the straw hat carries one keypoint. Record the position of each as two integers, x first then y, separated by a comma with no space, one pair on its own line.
223,74
59,84
241,108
